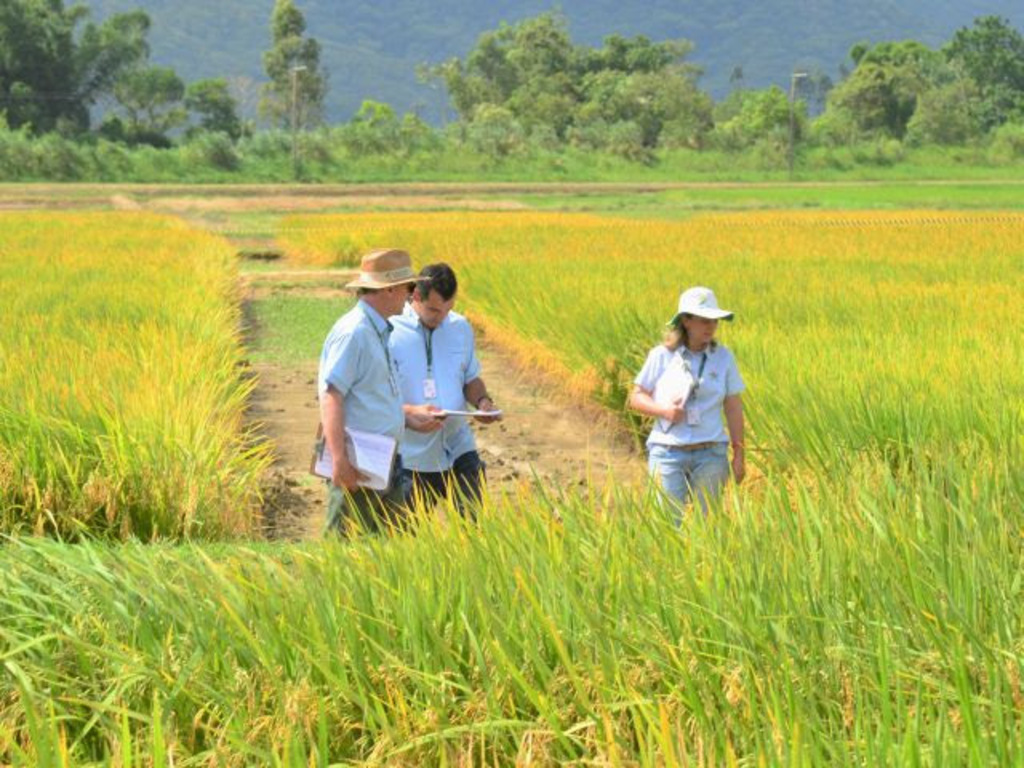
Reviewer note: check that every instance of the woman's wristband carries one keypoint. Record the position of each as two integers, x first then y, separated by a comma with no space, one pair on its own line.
480,400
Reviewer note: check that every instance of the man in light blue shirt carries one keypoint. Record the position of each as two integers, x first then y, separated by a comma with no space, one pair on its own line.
435,353
358,389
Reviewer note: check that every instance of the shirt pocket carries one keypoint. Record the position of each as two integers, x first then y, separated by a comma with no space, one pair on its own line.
712,385
457,360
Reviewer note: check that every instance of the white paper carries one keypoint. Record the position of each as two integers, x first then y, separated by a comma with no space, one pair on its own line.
372,456
674,386
471,413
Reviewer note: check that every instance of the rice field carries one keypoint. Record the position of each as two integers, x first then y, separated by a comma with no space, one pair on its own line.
885,333
121,399
859,603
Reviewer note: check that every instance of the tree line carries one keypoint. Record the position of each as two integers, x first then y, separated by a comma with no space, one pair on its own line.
58,68
523,88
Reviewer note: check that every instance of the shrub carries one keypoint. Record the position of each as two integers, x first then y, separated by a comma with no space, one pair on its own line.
59,159
882,152
495,132
1007,143
212,149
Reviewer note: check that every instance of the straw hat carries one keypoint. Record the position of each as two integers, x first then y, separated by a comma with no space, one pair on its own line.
700,302
384,269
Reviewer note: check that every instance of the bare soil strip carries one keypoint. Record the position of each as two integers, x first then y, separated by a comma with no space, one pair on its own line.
263,197
542,438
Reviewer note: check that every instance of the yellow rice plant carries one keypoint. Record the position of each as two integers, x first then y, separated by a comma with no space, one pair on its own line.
121,389
875,331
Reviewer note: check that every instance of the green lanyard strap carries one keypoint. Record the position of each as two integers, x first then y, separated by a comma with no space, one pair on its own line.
700,375
428,345
382,338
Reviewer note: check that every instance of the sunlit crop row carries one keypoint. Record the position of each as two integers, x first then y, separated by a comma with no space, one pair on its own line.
121,396
878,332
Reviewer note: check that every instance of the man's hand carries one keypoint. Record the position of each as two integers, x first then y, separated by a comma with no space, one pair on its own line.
344,475
674,413
423,418
739,465
486,404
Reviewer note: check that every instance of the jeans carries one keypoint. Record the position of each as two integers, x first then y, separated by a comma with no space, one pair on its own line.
363,510
464,481
696,476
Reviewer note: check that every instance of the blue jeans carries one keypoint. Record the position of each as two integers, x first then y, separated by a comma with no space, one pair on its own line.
696,476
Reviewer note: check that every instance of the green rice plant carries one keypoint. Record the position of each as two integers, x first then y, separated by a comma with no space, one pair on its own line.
873,621
121,380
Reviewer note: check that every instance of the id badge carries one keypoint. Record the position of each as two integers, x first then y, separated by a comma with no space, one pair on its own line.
429,389
693,417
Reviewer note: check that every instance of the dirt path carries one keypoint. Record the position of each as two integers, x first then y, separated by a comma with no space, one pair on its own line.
541,438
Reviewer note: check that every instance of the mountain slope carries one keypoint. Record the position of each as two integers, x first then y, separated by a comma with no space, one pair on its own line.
371,50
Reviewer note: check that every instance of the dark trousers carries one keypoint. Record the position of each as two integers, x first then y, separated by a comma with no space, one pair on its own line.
366,511
463,482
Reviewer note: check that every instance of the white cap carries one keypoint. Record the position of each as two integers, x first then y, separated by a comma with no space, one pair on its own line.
701,302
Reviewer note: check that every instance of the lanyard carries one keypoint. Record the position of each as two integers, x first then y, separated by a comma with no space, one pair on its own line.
428,345
700,374
382,338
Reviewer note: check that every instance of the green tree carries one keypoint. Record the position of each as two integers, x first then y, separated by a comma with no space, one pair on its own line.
945,114
651,101
882,92
761,116
293,66
373,130
634,55
528,68
495,132
211,101
151,98
991,54
547,85
55,65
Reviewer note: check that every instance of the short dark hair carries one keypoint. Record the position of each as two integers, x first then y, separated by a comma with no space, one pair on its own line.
437,277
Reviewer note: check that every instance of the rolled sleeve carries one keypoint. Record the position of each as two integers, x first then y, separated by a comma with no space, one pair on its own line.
653,367
472,364
733,380
343,361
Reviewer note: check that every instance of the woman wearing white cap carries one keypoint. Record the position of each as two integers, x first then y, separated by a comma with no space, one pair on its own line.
685,384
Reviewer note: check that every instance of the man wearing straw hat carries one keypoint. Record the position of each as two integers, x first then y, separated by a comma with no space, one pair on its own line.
358,389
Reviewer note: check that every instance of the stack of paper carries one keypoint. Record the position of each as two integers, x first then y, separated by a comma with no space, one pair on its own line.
673,388
372,455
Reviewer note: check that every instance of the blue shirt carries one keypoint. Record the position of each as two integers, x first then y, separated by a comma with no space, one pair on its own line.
356,362
453,364
720,379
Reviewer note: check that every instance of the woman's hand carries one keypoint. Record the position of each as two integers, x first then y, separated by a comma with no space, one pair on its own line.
674,413
739,465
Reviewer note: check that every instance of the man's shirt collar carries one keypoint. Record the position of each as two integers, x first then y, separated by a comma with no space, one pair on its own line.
380,323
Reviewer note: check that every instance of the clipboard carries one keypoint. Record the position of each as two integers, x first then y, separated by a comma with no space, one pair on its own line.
373,457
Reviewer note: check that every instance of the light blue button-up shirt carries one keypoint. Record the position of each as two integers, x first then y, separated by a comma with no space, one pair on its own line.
357,363
721,378
453,365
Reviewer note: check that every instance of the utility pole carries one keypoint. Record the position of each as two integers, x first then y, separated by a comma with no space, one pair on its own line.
295,119
792,118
